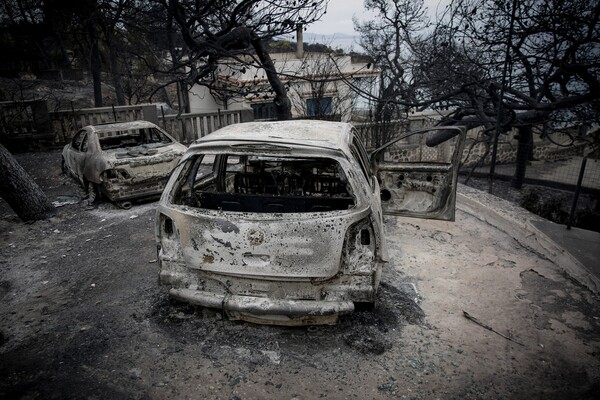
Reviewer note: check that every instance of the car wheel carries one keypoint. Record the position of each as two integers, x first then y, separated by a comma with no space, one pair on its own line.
93,193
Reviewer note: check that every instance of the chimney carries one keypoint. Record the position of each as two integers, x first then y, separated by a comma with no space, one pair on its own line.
299,42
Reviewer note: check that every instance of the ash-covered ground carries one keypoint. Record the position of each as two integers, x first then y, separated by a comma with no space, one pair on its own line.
82,316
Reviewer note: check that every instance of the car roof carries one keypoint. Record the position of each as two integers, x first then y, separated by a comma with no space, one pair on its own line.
121,126
323,134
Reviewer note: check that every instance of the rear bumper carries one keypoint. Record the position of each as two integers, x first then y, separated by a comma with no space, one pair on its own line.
129,191
262,308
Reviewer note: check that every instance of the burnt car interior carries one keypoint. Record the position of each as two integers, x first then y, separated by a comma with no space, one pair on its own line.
264,184
133,138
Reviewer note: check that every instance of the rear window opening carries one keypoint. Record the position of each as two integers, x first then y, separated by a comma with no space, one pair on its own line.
151,137
263,184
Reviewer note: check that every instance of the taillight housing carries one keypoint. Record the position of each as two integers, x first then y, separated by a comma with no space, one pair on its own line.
116,174
359,253
166,225
168,236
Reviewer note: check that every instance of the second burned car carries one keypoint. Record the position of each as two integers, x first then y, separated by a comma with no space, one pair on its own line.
122,161
282,222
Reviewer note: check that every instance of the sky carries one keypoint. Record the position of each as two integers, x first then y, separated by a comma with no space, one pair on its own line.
340,12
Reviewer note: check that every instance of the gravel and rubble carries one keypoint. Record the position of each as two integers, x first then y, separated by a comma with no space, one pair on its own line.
82,316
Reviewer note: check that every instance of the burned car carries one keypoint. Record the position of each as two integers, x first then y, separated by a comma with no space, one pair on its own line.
122,161
282,222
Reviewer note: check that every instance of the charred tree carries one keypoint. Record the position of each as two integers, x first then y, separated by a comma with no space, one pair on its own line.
524,149
231,35
115,69
20,191
95,61
542,72
282,103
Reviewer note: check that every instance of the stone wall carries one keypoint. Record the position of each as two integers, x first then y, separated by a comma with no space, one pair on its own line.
543,149
507,151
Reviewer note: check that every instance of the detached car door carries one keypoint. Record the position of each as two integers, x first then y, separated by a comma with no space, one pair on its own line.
418,171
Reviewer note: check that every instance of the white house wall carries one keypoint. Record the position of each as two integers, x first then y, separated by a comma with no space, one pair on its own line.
202,101
288,66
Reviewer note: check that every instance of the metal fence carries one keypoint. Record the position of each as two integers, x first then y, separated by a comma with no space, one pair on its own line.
561,178
374,135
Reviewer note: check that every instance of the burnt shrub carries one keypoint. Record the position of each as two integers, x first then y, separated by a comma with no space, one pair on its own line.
589,218
553,210
531,201
555,207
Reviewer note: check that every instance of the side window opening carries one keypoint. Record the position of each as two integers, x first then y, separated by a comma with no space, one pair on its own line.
197,173
267,184
78,139
84,143
360,154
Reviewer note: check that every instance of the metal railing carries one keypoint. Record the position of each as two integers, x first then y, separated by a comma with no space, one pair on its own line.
189,127
374,135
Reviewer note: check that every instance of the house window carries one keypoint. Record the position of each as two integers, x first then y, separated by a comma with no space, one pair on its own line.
318,106
264,110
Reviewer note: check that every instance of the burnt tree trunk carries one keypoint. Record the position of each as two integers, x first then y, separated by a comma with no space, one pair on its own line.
20,191
283,106
183,99
115,71
95,62
240,38
524,151
115,68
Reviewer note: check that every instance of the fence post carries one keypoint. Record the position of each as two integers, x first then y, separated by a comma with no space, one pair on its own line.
183,131
162,111
150,114
576,195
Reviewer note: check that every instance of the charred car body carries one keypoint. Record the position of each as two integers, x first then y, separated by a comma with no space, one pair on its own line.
282,222
122,161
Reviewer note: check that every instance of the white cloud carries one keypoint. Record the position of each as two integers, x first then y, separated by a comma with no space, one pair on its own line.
340,12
